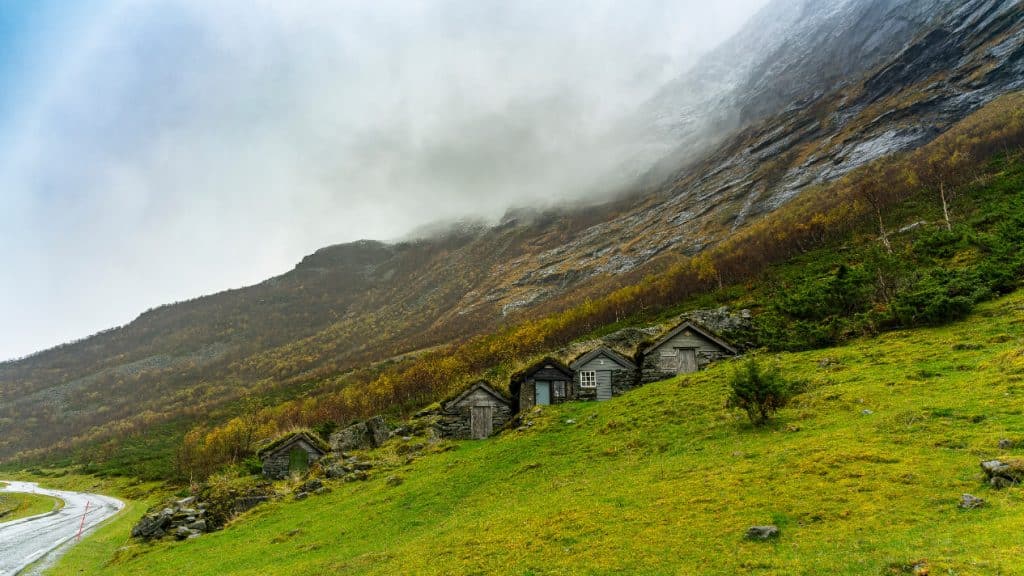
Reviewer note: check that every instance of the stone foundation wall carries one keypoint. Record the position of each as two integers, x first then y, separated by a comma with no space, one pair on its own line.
623,381
457,423
651,371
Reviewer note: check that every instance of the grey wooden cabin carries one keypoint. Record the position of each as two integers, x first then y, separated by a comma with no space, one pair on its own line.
546,382
292,453
602,373
475,413
686,348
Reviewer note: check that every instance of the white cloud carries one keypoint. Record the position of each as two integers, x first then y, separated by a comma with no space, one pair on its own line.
191,146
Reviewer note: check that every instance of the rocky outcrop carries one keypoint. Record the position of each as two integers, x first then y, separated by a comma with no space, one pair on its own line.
372,433
349,469
181,519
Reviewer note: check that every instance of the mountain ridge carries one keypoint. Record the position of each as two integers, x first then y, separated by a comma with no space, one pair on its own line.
347,306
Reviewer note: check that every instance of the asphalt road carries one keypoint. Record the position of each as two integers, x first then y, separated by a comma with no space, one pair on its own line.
45,536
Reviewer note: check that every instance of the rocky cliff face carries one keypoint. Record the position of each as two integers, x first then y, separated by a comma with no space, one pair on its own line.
808,91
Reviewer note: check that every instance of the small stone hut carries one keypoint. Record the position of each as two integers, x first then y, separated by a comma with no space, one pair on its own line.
602,373
686,348
475,413
292,453
546,382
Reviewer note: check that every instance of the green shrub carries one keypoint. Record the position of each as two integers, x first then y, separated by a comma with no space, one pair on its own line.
760,391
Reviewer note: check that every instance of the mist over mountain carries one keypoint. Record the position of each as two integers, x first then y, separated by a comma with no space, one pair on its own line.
805,93
167,149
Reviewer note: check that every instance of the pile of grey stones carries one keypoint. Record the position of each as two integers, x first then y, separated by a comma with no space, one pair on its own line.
350,468
1003,474
183,519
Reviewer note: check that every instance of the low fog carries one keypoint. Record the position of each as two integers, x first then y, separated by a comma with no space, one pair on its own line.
161,150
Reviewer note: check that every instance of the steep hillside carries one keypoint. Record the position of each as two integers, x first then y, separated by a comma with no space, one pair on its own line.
863,474
346,307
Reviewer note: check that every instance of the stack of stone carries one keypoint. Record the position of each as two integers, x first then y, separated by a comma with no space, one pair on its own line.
350,469
182,519
311,486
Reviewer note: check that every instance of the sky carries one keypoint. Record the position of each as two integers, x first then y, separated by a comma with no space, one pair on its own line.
152,151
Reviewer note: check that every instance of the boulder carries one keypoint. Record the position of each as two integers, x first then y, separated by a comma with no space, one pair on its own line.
152,526
338,471
362,435
969,502
999,482
762,532
184,533
1006,444
311,485
1002,474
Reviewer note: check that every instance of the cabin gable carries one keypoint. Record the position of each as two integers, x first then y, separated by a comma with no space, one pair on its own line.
686,348
476,413
601,374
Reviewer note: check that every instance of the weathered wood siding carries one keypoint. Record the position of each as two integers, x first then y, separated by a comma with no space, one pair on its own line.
612,379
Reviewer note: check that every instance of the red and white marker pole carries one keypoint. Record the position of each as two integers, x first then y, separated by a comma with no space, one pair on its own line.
81,526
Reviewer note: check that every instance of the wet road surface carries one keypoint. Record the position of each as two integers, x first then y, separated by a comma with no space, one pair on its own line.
26,540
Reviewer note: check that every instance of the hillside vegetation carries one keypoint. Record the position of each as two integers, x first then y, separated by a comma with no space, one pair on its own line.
15,505
863,473
121,401
815,272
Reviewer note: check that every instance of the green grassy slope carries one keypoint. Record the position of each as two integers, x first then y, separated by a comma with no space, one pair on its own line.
14,505
863,474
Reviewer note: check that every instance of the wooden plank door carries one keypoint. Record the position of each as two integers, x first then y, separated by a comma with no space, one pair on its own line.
604,385
687,360
543,392
482,421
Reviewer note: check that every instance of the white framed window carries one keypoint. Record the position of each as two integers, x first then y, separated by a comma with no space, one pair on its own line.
588,379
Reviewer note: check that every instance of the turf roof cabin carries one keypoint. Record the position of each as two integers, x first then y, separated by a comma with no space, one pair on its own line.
546,382
602,373
686,348
475,413
292,453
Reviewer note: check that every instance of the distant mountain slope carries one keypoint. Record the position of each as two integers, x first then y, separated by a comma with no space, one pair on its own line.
834,85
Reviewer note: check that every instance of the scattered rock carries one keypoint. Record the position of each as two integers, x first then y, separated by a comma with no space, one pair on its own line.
762,532
178,520
792,428
570,421
395,480
301,495
969,502
1003,474
311,485
999,482
337,471
826,362
867,412
1007,444
356,476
